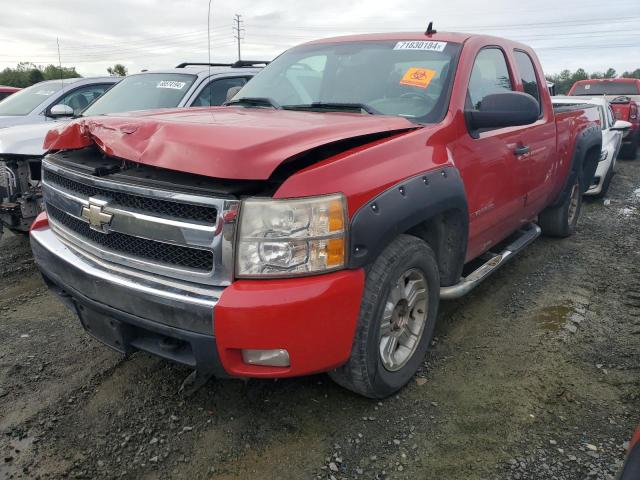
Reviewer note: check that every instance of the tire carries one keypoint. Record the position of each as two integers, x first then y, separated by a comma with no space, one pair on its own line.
372,371
561,221
631,150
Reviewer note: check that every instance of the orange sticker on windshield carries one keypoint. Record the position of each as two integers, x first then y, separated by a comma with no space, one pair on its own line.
418,77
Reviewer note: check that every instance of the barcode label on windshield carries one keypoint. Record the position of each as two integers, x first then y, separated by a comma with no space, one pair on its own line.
427,45
171,84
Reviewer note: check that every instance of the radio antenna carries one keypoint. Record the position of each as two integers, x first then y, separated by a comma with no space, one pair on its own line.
209,51
60,63
430,29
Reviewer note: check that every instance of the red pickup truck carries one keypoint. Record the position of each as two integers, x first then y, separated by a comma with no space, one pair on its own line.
5,91
314,223
624,96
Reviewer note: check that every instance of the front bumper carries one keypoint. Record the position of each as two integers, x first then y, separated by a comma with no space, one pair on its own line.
313,318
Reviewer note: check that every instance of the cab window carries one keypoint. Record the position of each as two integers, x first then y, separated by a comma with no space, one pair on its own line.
489,75
82,97
611,116
528,75
215,93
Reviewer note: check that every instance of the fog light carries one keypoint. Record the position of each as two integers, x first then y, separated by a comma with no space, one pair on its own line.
271,358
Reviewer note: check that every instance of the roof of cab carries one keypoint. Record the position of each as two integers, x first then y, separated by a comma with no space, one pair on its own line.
452,37
439,37
203,70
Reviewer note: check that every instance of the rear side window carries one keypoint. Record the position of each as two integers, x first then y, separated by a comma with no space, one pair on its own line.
82,97
215,93
489,75
528,75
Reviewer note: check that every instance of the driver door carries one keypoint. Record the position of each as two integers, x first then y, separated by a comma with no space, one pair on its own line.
493,176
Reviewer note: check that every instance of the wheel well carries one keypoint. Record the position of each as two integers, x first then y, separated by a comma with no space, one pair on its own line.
446,234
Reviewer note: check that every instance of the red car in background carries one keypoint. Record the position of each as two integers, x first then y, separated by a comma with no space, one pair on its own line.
624,96
6,91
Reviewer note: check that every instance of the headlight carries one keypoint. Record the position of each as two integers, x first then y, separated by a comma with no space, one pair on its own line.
603,155
280,238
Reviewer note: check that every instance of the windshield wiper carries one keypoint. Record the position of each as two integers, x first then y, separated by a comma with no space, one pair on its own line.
255,102
337,106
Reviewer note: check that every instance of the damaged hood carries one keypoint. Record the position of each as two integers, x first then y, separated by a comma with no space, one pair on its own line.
223,142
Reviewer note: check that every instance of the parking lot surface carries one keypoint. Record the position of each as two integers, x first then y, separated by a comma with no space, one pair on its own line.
536,374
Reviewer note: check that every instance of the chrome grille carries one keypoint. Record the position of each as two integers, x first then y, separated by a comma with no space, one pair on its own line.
170,233
139,247
183,211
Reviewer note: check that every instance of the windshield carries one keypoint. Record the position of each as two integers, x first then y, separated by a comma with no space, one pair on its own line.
24,101
606,88
407,78
144,91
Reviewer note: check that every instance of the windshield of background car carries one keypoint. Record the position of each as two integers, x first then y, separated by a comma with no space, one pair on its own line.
407,78
606,88
143,91
24,101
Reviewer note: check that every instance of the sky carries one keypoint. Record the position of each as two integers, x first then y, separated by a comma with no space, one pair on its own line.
148,34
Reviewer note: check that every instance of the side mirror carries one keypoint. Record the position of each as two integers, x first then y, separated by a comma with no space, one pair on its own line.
507,109
621,125
60,111
232,92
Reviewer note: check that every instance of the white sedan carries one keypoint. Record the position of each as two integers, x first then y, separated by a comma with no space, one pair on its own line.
612,133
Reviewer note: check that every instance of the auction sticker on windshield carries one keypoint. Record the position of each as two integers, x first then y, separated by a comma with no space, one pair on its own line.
171,84
427,45
418,77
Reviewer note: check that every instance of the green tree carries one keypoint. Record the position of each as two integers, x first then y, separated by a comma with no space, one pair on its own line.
633,74
35,76
118,70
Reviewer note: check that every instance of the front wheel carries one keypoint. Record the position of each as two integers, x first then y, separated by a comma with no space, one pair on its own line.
561,221
397,320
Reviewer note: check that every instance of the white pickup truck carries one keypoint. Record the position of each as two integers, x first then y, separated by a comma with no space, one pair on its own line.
612,133
187,85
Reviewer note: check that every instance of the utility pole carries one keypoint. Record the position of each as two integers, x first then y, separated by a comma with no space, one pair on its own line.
238,30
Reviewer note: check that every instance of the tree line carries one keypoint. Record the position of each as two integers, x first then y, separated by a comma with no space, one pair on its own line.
26,74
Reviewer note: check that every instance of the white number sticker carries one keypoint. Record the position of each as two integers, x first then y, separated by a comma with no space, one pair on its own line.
171,84
427,45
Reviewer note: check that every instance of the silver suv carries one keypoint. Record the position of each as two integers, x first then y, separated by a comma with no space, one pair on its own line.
187,85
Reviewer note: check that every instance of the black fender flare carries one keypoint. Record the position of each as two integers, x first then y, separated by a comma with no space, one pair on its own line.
407,205
588,138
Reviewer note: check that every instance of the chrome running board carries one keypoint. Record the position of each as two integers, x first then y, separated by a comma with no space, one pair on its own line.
526,236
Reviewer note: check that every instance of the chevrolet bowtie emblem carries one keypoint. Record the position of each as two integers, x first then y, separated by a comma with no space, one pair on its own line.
96,216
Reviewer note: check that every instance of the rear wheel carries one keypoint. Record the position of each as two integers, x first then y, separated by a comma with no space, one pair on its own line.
630,150
561,221
397,320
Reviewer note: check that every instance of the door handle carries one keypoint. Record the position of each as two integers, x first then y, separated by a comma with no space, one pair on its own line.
521,150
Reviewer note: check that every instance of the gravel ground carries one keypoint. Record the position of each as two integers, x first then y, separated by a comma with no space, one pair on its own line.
535,375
